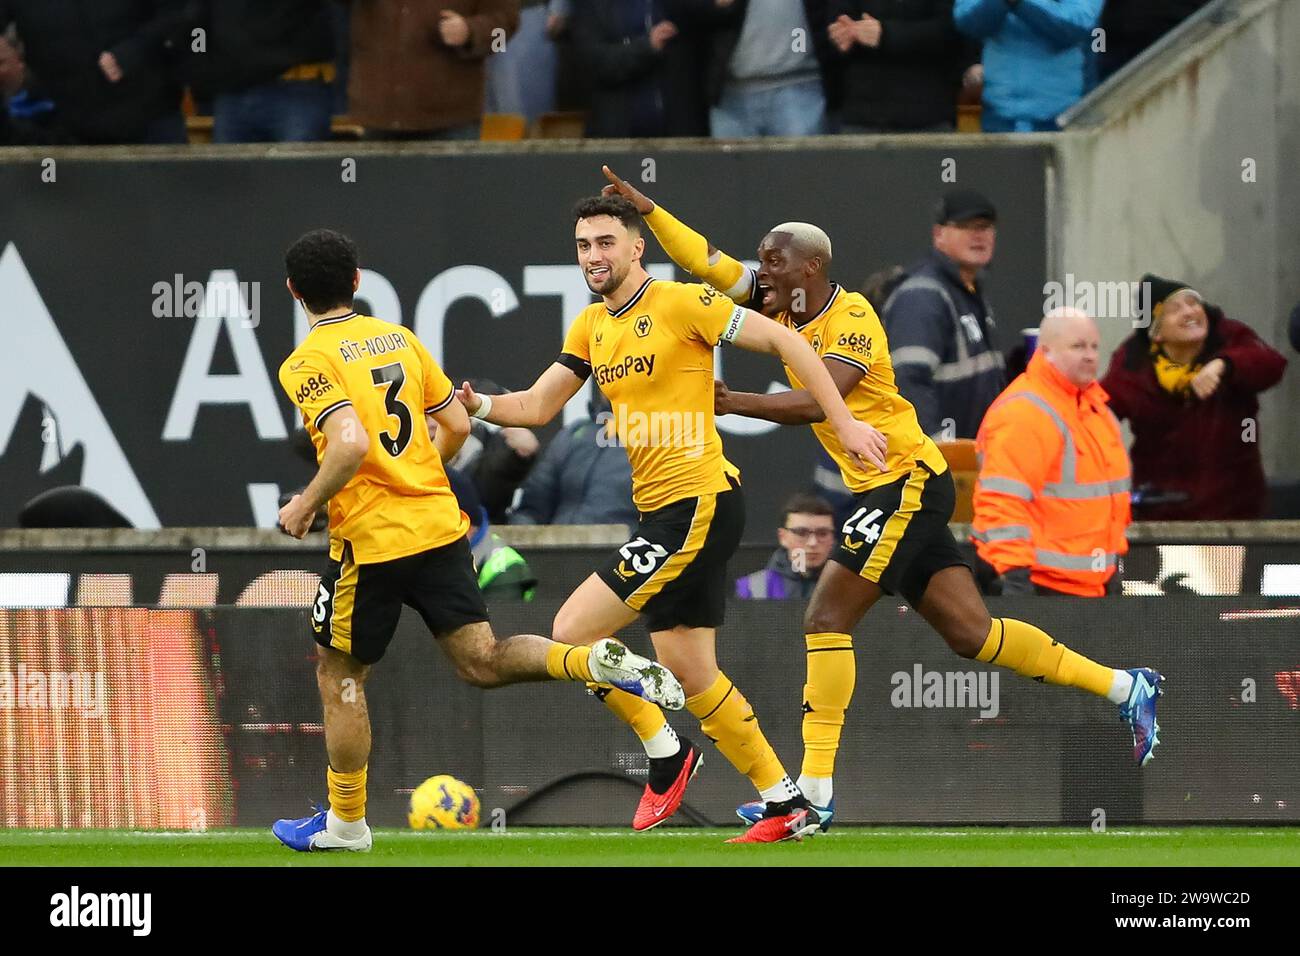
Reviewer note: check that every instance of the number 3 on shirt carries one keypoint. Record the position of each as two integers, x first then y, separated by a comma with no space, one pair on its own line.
394,377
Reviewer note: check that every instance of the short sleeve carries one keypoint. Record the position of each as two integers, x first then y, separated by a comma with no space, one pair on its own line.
709,315
439,392
576,354
312,386
854,336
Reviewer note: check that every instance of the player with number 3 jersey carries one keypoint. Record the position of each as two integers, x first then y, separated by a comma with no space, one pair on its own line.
383,418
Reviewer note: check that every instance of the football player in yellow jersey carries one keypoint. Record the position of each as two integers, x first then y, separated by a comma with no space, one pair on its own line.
896,541
649,345
383,417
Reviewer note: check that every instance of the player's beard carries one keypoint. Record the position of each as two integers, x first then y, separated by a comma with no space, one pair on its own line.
612,281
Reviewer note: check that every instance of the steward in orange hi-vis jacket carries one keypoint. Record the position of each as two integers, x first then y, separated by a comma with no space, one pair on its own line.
1053,490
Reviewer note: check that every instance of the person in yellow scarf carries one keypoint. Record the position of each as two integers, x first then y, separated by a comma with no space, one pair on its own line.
1187,381
1179,325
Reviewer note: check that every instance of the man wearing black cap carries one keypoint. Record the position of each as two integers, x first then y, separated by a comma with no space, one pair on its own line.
940,326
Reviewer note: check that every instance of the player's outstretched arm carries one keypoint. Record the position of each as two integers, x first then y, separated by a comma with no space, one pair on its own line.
686,247
793,407
758,333
346,444
532,408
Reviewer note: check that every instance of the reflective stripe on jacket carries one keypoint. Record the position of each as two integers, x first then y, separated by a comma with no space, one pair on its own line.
1053,489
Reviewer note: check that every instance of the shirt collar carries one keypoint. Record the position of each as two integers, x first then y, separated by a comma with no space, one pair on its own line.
631,303
835,291
337,318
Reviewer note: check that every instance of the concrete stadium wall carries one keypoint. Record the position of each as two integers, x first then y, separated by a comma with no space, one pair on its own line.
1185,166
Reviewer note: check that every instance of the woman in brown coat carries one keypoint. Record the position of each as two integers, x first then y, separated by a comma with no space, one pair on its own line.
418,66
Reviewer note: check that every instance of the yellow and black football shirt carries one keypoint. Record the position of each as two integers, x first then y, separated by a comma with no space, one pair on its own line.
848,330
399,502
653,359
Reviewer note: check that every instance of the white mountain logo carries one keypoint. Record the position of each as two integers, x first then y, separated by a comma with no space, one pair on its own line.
41,365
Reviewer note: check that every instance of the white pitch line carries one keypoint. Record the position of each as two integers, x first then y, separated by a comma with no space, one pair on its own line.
675,832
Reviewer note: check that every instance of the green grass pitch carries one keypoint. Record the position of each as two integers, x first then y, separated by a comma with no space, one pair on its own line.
844,846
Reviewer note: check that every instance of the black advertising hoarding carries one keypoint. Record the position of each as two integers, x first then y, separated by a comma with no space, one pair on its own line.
929,738
145,317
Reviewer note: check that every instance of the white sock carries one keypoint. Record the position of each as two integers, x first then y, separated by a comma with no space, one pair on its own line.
344,829
663,744
818,790
784,789
1121,686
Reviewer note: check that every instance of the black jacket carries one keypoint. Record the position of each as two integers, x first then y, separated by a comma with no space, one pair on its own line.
727,23
254,41
1145,21
943,346
624,70
63,40
578,480
911,80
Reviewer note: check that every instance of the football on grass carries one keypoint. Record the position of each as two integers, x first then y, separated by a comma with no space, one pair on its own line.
444,803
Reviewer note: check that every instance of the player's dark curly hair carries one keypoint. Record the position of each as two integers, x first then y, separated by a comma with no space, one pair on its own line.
616,206
321,266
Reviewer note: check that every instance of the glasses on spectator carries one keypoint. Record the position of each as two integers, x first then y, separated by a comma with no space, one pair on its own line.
821,534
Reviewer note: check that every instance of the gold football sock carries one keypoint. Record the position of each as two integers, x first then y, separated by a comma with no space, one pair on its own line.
832,672
727,719
641,715
569,662
347,793
1033,653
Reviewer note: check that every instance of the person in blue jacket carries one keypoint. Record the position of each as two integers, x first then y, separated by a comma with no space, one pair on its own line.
1038,58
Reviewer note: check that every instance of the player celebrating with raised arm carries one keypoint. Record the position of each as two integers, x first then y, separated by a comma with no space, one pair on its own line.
370,397
896,541
649,344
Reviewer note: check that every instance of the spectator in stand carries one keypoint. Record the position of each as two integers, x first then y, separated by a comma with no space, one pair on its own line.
1052,500
880,285
13,74
806,534
417,69
1133,25
25,114
940,325
521,78
501,569
903,64
773,70
496,459
581,477
644,58
269,68
1037,58
1188,384
109,66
